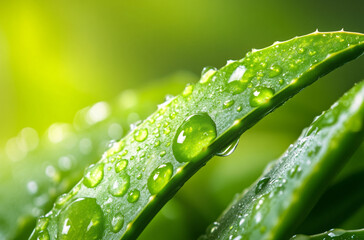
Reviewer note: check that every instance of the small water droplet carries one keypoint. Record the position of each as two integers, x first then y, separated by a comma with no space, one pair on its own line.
238,80
229,149
42,224
275,70
141,135
61,200
82,219
133,195
193,137
159,178
206,74
163,153
261,184
167,130
43,235
120,185
94,175
188,90
121,165
228,103
117,222
157,143
261,96
312,52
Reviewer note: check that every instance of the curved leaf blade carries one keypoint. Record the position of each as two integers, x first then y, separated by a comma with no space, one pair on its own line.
334,234
219,108
274,206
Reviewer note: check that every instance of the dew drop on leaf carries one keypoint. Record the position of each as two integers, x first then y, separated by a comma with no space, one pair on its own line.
159,178
133,196
206,74
94,175
121,165
193,137
117,222
261,184
229,149
261,96
120,185
141,135
275,70
82,219
228,103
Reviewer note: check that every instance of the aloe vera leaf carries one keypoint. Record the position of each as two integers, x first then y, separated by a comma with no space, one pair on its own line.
336,205
333,234
138,175
274,206
34,181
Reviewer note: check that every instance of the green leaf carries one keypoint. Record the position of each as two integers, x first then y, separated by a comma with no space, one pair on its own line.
274,206
334,234
186,131
336,205
32,180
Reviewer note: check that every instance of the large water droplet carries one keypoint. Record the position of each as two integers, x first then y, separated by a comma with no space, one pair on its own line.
261,96
229,149
94,175
120,185
133,195
261,184
82,219
117,222
141,135
193,137
159,178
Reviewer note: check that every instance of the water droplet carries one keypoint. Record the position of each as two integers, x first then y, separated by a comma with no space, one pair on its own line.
163,153
43,235
42,224
238,80
193,137
261,96
238,109
188,90
94,175
275,70
229,149
117,222
206,74
167,130
261,184
157,143
141,135
120,185
61,200
121,165
228,103
159,178
133,196
82,219
336,232
312,52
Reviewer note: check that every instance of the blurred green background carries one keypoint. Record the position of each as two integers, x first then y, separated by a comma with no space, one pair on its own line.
57,57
